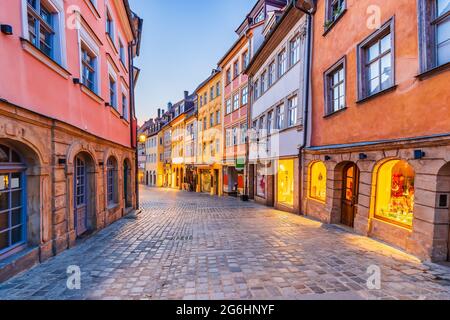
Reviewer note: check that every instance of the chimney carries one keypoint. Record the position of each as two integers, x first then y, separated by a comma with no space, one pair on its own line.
169,106
159,113
186,94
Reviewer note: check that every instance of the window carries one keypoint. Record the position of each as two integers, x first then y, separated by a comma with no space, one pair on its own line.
295,50
89,66
112,92
41,27
282,63
205,98
235,69
244,96
376,62
111,181
211,94
12,200
109,26
280,117
245,60
218,120
261,125
286,182
243,133
205,123
334,9
122,52
228,106
228,137
260,17
235,136
228,76
269,122
292,111
211,120
318,181
201,101
124,107
335,88
218,145
263,82
434,33
395,193
236,102
256,89
218,89
272,75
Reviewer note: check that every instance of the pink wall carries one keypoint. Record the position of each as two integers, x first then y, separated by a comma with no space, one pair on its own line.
29,83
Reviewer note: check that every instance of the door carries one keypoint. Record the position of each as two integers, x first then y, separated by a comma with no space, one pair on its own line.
216,182
349,194
80,197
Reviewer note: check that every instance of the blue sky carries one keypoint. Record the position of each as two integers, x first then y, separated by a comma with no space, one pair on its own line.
182,41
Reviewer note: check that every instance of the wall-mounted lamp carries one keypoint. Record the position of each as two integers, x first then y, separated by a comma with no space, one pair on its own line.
62,161
6,29
101,163
327,158
362,156
418,154
76,81
107,104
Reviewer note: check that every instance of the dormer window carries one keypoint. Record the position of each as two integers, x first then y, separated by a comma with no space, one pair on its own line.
260,17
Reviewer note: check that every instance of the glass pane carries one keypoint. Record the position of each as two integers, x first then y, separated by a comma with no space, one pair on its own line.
341,75
374,70
16,235
443,31
4,221
4,154
336,105
4,242
16,217
374,85
341,102
4,182
374,51
336,93
443,6
444,53
16,199
4,201
15,180
386,43
336,78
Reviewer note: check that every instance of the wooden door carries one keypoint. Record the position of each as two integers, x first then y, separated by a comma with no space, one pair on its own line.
80,195
349,194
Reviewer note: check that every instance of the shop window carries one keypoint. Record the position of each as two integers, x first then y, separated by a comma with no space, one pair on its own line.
395,193
111,181
286,182
12,200
261,181
318,186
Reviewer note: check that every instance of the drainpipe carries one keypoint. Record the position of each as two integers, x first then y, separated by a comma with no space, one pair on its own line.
306,91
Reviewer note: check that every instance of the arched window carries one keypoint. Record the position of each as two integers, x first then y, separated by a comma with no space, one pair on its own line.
318,185
111,181
12,200
395,193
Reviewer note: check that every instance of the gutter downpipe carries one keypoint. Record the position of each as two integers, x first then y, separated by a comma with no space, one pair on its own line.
306,97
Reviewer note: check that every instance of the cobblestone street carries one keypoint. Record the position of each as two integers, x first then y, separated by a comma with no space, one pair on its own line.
191,246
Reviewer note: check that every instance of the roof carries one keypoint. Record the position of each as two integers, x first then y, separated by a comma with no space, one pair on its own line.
214,73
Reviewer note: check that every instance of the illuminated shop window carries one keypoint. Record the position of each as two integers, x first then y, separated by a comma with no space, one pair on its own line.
395,193
318,187
261,181
286,182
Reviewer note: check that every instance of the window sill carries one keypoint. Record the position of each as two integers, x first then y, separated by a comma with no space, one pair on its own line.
317,200
111,43
115,112
91,94
112,206
52,64
93,9
335,21
329,115
123,66
125,121
431,72
375,95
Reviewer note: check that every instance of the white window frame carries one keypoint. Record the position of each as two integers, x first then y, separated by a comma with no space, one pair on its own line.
85,39
112,73
60,34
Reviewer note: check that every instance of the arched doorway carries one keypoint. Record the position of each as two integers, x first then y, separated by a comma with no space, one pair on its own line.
84,194
13,197
127,184
443,198
349,199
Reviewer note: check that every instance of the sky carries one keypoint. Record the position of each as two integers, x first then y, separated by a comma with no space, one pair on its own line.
182,42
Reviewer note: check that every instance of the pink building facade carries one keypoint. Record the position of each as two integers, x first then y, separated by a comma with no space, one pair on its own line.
67,156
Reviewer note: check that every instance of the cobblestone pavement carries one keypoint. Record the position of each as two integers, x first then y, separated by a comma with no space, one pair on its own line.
191,246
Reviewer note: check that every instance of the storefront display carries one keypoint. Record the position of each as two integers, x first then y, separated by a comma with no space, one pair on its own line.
318,186
206,181
395,192
286,182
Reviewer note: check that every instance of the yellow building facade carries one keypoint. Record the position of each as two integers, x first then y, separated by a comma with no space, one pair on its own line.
210,144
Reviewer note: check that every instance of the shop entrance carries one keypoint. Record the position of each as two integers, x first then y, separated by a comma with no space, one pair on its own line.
216,182
349,194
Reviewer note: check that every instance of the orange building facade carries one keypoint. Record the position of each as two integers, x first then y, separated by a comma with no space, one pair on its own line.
378,159
67,125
